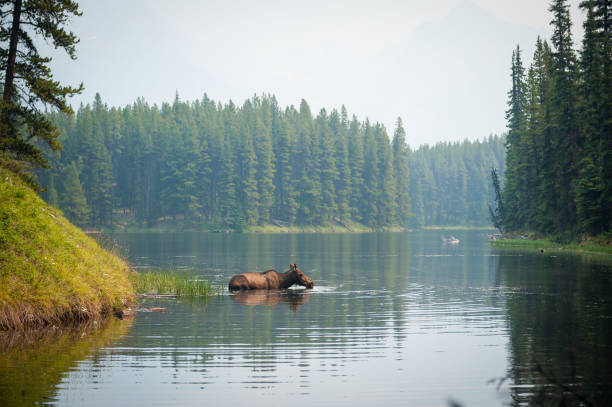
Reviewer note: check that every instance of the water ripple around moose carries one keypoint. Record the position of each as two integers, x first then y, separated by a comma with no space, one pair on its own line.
394,319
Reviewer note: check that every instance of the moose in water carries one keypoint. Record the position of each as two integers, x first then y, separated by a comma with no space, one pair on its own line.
270,279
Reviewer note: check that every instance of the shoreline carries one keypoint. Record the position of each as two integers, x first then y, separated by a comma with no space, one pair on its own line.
590,246
276,229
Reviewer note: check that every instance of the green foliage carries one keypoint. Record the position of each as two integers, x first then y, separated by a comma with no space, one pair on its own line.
558,155
449,183
73,201
197,164
497,214
28,87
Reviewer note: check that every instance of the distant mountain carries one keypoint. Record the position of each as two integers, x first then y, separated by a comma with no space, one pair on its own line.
455,74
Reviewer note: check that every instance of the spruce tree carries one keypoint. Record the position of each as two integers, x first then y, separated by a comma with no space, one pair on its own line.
590,185
73,202
566,143
28,87
327,166
401,173
264,170
338,124
514,192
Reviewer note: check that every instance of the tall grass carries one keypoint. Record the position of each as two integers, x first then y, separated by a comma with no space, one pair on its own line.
50,271
171,282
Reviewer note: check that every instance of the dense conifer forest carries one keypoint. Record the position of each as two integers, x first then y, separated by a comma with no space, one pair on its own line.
559,145
203,163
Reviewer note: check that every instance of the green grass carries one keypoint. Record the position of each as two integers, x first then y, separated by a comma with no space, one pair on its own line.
171,282
50,271
599,244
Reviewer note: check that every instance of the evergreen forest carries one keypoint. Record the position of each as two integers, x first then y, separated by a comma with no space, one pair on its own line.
558,179
202,164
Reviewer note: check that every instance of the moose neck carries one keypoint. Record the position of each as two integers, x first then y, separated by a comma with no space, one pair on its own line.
286,279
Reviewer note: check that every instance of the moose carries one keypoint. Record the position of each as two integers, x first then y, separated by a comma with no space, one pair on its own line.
270,279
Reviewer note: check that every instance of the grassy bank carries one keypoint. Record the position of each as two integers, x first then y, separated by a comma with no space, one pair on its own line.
599,244
170,282
50,271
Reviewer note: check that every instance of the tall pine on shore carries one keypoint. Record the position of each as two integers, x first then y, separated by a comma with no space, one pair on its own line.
559,130
27,84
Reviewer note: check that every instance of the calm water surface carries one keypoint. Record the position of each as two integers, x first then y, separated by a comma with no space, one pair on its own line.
394,319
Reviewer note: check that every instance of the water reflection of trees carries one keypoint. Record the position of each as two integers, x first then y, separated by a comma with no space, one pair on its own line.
32,363
559,312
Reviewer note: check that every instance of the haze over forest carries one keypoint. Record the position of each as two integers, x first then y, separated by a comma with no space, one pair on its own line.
427,63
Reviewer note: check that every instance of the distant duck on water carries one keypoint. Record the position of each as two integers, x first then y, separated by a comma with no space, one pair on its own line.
450,240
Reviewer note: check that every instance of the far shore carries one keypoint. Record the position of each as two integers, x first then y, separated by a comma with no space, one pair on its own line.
346,227
597,245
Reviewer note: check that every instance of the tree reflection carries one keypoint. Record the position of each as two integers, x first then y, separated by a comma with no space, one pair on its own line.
560,319
32,363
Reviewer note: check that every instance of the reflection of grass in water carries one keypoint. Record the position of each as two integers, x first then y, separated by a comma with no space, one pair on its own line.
32,363
171,282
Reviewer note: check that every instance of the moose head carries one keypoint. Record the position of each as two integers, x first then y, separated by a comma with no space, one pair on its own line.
300,278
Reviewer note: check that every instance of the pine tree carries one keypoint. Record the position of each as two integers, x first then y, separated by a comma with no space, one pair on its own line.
308,169
286,195
338,124
52,197
590,183
497,213
73,203
28,87
565,134
264,170
356,165
514,192
246,171
401,172
327,166
371,178
386,194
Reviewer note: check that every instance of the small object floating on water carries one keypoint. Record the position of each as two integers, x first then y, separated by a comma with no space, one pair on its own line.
450,240
542,250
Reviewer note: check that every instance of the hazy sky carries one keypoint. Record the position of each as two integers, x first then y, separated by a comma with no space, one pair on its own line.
443,66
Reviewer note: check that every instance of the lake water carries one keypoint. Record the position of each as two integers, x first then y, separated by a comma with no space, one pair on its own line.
394,319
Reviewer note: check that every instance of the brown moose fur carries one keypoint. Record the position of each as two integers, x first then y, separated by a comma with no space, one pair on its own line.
270,279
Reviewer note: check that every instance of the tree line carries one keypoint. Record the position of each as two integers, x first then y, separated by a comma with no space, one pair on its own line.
231,166
558,178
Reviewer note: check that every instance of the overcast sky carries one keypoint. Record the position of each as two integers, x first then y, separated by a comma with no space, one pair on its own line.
443,66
